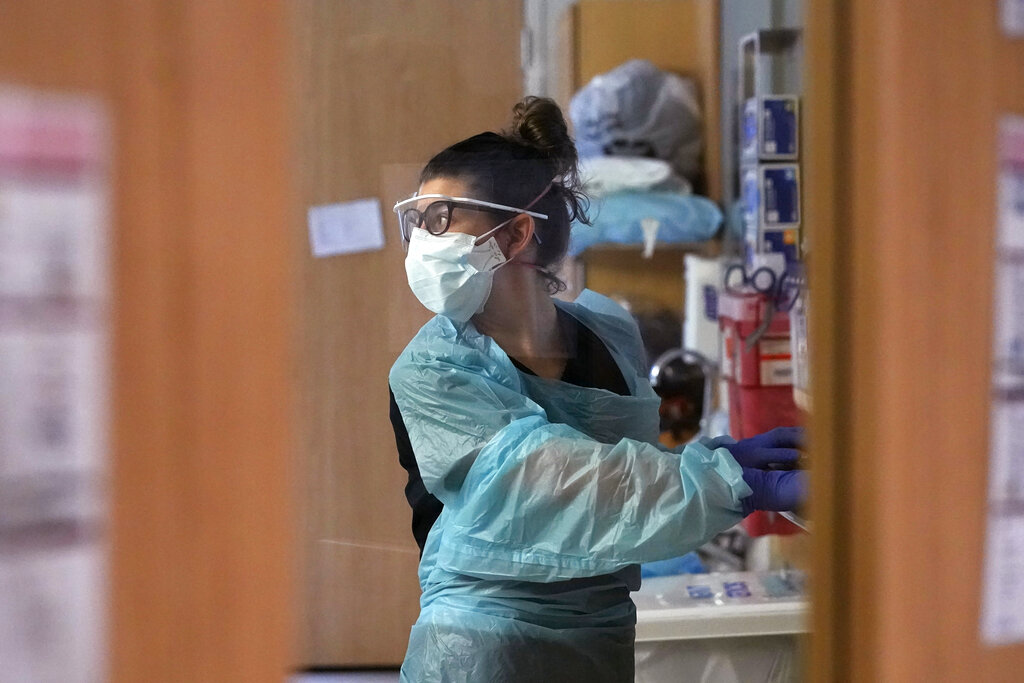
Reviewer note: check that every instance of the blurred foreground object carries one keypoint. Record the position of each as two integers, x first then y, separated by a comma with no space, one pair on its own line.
53,386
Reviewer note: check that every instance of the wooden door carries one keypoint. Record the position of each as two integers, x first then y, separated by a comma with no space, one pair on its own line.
903,104
382,85
200,492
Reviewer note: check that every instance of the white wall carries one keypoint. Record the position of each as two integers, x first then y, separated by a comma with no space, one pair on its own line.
540,49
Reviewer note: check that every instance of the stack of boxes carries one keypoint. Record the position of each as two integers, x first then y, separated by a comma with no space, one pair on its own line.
769,87
757,351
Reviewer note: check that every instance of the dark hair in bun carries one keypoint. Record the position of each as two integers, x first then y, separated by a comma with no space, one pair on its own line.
516,166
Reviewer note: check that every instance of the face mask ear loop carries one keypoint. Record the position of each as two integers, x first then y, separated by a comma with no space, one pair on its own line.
541,195
480,240
536,199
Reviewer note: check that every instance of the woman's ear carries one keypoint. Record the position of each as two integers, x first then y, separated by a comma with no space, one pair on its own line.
520,234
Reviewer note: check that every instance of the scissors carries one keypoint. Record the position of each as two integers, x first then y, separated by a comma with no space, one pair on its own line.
781,292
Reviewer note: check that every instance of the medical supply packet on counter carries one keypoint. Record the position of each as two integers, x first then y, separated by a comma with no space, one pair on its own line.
721,605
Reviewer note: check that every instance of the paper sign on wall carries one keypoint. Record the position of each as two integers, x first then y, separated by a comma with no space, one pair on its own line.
1002,619
346,228
1012,16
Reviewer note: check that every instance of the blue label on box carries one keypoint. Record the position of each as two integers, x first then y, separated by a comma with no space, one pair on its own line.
737,589
710,303
781,195
779,127
781,242
699,592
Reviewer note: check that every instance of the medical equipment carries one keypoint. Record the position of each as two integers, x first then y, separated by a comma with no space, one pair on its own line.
662,376
777,449
771,209
774,491
771,128
762,457
769,87
757,362
435,216
796,519
452,274
779,289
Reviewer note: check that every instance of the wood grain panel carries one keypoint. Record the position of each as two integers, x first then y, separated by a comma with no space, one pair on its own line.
824,134
610,32
382,86
202,518
915,97
51,43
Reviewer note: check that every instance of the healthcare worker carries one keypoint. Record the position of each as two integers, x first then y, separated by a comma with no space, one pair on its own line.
530,431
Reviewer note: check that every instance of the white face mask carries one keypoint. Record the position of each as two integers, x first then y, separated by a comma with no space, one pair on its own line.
451,274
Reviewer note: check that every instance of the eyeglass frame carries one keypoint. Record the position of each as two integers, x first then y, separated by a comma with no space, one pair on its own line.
478,204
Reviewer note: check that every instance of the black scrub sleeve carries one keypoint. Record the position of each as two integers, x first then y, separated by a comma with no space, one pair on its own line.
425,507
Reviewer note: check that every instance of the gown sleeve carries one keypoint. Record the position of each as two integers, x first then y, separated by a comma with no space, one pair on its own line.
533,500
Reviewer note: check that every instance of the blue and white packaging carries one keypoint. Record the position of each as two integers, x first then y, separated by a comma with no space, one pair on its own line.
785,242
771,210
779,192
771,195
771,128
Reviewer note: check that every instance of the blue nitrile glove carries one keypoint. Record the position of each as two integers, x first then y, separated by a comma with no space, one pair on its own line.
776,450
774,490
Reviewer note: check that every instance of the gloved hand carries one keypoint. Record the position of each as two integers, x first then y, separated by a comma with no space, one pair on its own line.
779,491
775,450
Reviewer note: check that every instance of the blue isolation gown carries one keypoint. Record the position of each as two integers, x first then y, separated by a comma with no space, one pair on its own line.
553,493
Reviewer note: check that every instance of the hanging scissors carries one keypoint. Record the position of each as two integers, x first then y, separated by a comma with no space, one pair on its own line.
780,291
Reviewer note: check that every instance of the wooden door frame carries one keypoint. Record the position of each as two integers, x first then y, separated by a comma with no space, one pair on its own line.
204,308
902,107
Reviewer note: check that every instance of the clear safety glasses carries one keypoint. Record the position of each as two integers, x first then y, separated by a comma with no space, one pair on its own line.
435,216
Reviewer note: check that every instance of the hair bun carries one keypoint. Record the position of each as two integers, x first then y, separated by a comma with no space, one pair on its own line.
538,123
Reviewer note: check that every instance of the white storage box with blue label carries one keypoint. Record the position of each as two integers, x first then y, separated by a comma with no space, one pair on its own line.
771,128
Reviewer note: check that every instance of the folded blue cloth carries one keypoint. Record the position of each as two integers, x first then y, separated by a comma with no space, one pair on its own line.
682,218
